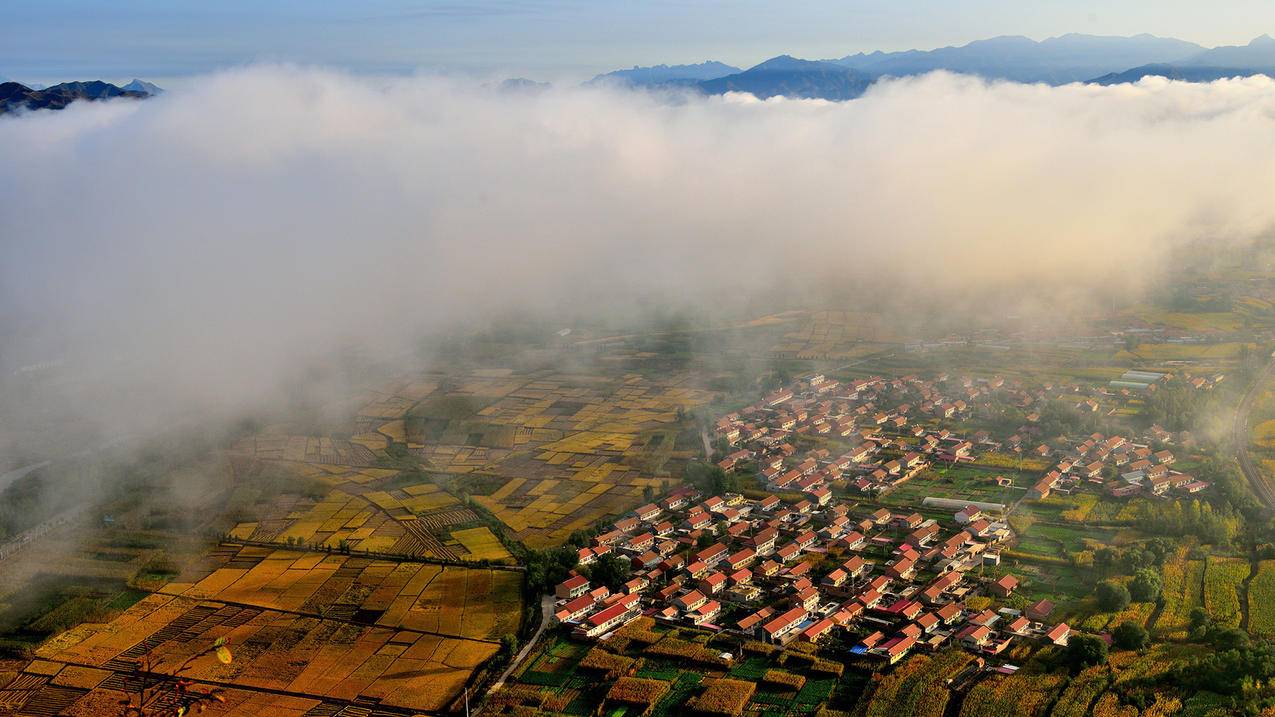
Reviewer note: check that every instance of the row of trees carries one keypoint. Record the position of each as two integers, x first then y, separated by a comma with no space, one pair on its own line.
1217,525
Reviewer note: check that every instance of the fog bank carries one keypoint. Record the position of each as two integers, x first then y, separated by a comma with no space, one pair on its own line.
192,253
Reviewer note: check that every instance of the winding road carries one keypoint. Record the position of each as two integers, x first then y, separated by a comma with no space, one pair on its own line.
546,615
1240,436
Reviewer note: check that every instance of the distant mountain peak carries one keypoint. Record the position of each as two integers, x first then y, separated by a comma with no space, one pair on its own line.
787,62
144,87
1260,40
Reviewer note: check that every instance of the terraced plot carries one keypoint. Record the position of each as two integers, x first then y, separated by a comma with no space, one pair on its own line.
460,602
312,661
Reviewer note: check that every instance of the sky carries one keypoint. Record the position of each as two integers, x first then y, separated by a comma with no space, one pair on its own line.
54,40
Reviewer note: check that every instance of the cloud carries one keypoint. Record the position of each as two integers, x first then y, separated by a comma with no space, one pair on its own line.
191,253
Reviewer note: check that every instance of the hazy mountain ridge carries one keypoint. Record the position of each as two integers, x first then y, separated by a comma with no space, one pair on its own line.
1055,61
791,77
665,75
1255,58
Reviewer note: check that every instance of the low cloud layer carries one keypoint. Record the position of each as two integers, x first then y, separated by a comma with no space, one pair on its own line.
191,253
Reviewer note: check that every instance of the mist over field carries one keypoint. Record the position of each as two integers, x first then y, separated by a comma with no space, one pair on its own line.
198,253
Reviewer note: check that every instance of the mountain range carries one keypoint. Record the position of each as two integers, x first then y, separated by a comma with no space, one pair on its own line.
17,97
1054,61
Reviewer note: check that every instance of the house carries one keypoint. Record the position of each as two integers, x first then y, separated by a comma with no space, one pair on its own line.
616,615
896,649
1018,626
648,512
575,610
904,608
640,543
818,630
1005,586
835,579
713,583
1040,610
689,601
741,559
674,502
949,613
923,535
933,593
572,587
986,618
705,613
767,569
968,514
856,567
712,555
807,598
1059,634
752,622
789,552
781,629
848,613
974,635
764,541
698,519
909,522
928,621
853,540
902,569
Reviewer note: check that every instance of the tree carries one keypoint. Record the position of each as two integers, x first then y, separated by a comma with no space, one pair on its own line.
1130,636
1106,557
1086,650
1231,638
611,571
547,568
1112,596
1199,622
1146,585
508,647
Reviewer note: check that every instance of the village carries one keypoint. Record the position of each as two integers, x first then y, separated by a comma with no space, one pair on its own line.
806,552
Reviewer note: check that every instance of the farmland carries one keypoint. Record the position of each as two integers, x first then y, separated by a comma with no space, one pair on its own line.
317,660
551,455
1261,607
918,688
1183,590
1024,695
1222,578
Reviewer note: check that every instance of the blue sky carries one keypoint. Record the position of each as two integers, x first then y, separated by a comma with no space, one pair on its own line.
48,40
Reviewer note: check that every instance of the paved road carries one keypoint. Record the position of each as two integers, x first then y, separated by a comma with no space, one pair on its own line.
546,614
7,478
30,535
1240,436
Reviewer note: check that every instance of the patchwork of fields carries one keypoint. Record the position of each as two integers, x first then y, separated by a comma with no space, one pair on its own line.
323,630
552,454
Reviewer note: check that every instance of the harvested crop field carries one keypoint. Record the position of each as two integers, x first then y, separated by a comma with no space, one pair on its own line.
313,660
